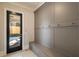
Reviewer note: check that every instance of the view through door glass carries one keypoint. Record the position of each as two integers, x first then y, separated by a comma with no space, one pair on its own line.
14,31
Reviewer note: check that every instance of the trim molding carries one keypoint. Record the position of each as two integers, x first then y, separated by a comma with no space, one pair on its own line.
39,6
5,28
25,7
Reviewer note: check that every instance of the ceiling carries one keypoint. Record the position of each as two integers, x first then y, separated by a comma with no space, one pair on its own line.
32,5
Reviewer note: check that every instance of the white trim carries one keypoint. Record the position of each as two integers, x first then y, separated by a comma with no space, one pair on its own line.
26,7
5,31
19,5
5,9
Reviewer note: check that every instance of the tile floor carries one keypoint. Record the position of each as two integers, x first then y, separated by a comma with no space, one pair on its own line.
27,53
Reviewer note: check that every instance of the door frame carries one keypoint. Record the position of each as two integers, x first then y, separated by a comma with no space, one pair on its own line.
5,28
9,50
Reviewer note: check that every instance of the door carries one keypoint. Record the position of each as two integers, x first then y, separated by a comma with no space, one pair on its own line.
14,31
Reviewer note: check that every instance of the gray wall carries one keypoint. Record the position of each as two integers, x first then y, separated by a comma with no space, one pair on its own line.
66,37
56,26
42,25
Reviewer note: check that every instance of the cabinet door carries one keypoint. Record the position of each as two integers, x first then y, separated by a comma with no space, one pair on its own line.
43,15
65,12
43,21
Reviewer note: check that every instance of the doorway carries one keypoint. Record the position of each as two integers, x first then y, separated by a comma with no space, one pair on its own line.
14,31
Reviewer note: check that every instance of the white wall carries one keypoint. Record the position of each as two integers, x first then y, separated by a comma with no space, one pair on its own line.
28,31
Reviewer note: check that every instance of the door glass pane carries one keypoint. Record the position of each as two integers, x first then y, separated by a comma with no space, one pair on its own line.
14,28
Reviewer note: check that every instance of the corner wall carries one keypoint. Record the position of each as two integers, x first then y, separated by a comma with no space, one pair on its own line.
57,26
28,31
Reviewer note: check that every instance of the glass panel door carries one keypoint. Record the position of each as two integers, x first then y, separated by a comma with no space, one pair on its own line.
14,31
